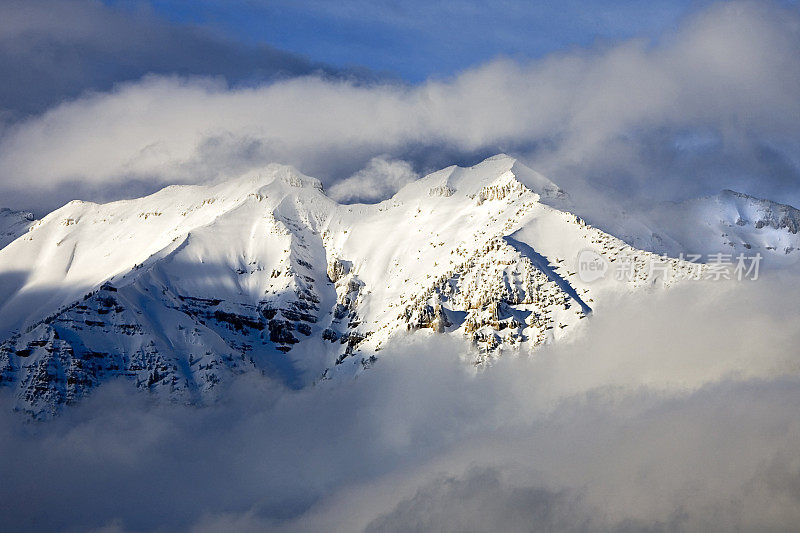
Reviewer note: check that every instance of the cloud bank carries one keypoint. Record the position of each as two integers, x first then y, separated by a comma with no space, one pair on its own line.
54,50
681,418
708,106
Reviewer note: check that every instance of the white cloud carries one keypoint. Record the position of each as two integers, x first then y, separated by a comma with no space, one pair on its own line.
611,115
380,179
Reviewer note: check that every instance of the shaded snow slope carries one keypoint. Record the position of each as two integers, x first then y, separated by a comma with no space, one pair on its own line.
728,223
181,289
13,224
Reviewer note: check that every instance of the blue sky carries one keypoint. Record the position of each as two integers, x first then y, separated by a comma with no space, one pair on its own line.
416,39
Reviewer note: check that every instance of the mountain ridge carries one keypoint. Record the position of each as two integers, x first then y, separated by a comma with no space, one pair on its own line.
180,290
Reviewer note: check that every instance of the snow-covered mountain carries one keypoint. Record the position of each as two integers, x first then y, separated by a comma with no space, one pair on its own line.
13,224
728,223
179,290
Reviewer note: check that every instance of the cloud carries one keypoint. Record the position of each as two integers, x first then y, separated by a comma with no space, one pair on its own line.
56,50
626,117
380,179
679,418
482,501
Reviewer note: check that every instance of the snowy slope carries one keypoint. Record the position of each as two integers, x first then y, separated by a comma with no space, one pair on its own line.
728,223
181,289
13,224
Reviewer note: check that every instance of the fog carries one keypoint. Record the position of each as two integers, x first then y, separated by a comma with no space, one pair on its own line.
682,417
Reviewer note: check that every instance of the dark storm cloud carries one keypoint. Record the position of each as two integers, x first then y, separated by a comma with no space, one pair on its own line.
54,50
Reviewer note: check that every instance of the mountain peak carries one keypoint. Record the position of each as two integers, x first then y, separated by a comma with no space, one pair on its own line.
179,289
760,212
272,176
500,169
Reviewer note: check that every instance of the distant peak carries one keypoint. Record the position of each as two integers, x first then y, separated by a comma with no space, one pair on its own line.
737,194
294,178
729,193
276,172
500,157
524,174
455,180
26,215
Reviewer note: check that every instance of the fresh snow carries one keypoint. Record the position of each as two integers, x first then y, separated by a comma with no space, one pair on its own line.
727,223
179,290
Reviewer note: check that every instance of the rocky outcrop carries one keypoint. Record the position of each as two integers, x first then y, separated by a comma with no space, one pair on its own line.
181,290
496,297
337,269
441,190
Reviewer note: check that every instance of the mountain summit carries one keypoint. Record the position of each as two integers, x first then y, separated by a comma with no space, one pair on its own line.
182,289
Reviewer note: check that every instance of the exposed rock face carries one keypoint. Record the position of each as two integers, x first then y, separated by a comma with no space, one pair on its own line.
178,291
496,296
501,189
441,190
337,269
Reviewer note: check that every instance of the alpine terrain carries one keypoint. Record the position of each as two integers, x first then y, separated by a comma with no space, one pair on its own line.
182,289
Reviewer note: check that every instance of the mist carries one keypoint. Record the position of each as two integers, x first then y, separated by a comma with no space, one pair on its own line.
679,418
